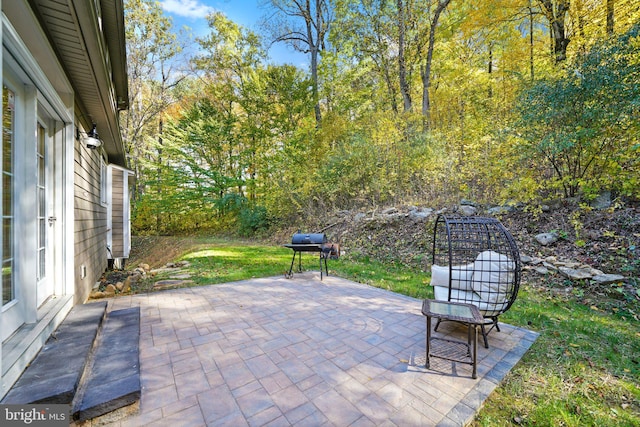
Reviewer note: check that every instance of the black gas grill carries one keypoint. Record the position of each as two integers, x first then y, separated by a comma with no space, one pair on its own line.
310,242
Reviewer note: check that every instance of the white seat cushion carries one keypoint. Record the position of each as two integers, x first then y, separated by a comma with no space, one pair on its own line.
493,276
461,276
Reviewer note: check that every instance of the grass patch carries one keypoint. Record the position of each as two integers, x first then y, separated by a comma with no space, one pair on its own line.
390,276
583,370
222,262
229,262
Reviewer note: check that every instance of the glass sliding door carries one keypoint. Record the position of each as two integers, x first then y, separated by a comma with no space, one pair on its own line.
45,221
8,137
13,307
41,190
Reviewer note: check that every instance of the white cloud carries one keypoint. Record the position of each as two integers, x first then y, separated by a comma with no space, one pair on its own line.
187,8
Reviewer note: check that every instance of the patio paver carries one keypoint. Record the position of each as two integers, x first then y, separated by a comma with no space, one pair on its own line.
276,351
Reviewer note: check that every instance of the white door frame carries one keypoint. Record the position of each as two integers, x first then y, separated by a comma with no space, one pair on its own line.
13,313
45,211
40,103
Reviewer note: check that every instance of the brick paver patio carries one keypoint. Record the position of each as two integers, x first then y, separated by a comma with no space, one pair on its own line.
301,351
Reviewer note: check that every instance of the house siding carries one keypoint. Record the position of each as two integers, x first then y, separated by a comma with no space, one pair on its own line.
117,212
90,224
59,69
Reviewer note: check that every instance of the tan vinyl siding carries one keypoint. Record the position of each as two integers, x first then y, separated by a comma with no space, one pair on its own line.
117,210
90,224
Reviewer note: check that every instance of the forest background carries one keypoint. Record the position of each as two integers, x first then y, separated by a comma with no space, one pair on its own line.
411,102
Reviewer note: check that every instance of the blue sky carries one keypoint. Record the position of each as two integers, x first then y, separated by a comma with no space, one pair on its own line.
191,13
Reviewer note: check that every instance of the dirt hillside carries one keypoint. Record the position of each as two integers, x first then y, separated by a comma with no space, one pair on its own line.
606,239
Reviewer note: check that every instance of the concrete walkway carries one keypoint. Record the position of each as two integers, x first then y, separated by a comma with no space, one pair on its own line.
304,352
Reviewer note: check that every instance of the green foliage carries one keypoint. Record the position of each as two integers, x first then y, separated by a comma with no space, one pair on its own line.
231,203
584,124
151,47
376,161
253,220
245,129
228,46
142,218
350,172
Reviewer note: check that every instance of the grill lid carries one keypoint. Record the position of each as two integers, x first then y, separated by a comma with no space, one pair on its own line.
308,238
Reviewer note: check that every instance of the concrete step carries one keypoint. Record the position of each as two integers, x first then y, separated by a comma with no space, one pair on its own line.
113,380
54,374
91,362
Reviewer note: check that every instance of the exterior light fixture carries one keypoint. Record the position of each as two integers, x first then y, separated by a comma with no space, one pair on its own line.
92,139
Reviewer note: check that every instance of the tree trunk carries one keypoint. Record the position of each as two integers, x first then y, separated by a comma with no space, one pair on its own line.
309,39
384,68
314,79
610,10
556,12
425,71
159,174
314,45
402,68
531,50
425,74
391,89
582,38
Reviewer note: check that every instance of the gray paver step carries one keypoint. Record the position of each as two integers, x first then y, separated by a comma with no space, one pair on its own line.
53,376
113,381
91,362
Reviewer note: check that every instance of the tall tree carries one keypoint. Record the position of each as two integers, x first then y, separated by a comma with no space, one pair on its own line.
531,14
405,88
152,49
304,25
368,38
610,16
425,72
556,12
231,59
228,51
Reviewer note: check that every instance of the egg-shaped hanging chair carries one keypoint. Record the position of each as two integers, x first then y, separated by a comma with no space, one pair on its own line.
475,261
